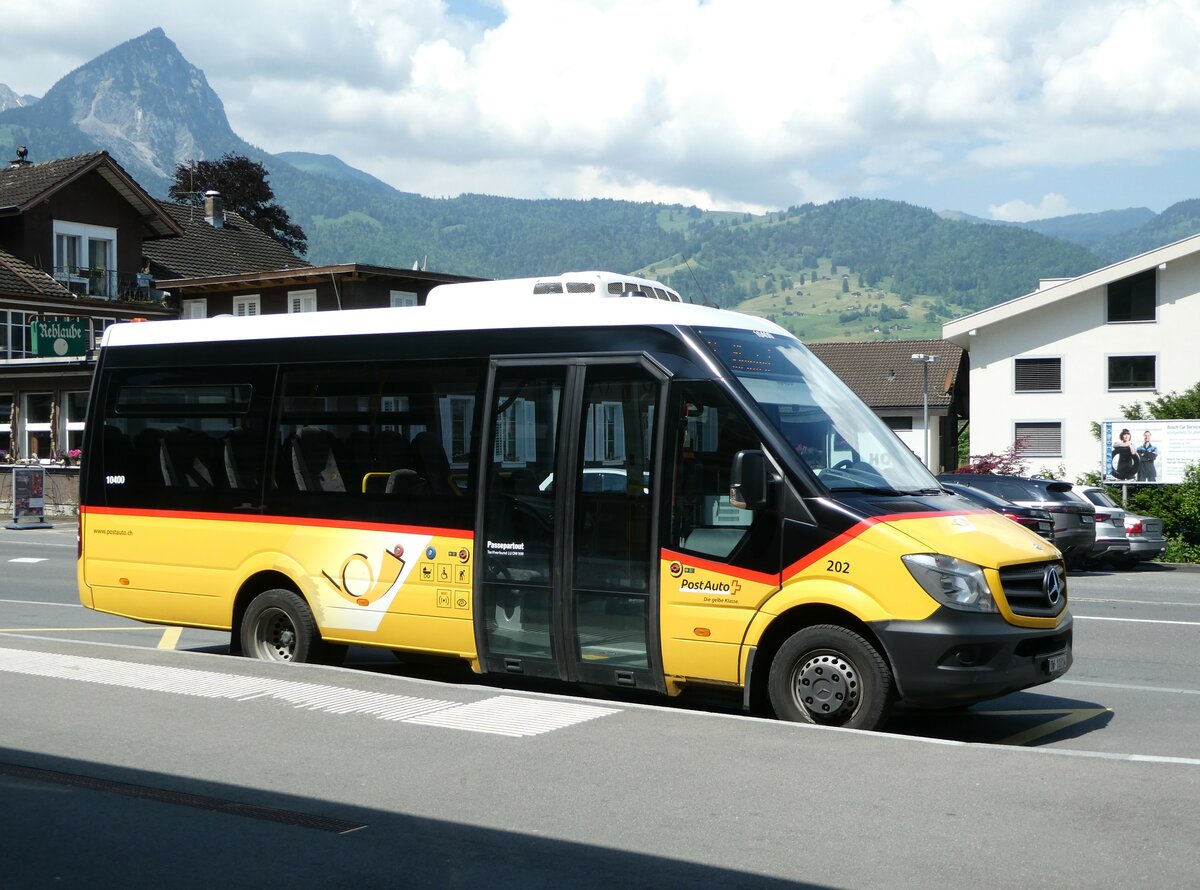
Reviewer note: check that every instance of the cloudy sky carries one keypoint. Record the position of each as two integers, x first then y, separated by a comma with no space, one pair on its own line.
1019,109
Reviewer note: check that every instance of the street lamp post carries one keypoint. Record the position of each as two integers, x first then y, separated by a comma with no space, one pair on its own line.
926,361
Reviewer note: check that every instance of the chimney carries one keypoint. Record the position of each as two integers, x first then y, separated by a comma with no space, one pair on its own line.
214,209
22,158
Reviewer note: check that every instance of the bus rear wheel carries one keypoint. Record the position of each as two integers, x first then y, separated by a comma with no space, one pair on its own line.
279,626
830,675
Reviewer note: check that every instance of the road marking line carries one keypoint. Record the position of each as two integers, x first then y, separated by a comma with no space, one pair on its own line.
500,715
29,559
1137,620
170,638
1069,718
42,630
1129,686
37,603
1089,599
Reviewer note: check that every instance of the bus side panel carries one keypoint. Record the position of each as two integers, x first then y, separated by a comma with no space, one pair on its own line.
389,587
157,569
706,608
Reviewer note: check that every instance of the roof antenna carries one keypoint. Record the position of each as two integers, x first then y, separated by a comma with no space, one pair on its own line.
703,295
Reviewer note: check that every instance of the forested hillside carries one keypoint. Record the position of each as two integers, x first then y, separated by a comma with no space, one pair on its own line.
906,250
1177,222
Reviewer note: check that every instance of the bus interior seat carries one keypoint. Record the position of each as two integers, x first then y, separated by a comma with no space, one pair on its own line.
148,459
433,463
405,482
314,460
185,456
242,451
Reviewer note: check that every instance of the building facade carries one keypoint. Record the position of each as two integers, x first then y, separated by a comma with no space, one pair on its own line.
1046,367
72,233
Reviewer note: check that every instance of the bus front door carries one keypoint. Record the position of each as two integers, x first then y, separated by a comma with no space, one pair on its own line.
567,586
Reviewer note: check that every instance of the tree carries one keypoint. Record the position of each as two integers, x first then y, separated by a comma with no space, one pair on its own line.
243,187
1008,462
1175,406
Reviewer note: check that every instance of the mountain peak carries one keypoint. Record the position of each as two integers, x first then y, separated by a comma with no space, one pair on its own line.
10,99
142,101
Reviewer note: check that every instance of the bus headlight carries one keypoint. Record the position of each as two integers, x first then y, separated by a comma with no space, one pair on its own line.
952,582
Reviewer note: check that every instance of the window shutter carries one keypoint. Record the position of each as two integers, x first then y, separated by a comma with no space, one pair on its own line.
1040,439
1039,375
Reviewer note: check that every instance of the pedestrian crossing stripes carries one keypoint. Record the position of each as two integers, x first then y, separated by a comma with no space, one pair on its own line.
507,715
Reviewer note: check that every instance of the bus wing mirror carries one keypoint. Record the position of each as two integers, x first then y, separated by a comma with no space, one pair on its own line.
751,481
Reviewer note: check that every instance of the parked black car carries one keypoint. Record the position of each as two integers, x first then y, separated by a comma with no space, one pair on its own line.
1033,518
1074,519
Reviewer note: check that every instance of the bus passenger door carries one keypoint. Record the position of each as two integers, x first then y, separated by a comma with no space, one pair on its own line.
567,586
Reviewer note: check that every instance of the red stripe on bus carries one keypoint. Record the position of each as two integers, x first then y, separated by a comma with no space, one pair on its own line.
857,529
720,567
277,520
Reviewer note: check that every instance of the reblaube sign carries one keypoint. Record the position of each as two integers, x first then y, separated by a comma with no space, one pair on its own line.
58,337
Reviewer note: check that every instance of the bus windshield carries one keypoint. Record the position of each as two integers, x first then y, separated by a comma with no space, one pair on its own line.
827,426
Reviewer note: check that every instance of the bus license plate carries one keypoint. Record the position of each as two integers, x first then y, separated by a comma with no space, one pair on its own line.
1056,664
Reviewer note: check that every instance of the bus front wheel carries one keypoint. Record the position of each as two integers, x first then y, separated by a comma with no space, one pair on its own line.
279,626
830,675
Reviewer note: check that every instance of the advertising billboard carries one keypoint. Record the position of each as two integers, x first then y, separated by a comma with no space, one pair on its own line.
1149,452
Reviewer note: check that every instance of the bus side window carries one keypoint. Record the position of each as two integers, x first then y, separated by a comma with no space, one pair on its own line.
165,433
377,441
709,431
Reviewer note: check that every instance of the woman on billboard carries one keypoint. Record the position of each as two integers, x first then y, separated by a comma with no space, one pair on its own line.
1124,462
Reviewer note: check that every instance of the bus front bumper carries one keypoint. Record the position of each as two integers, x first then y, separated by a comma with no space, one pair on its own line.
956,658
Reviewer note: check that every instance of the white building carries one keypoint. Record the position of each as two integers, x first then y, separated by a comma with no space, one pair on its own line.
1046,366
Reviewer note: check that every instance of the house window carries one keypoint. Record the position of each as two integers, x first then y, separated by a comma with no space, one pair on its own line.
194,308
1131,372
74,413
1039,439
403,298
302,301
99,326
6,404
1038,374
37,425
85,258
1133,298
245,306
14,333
899,423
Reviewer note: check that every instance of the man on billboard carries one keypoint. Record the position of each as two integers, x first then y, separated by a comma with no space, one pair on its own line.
1147,454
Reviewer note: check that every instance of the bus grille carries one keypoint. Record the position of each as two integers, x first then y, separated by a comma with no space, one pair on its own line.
1036,590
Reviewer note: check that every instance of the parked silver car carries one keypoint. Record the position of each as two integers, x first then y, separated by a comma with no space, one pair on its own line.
1144,533
1112,542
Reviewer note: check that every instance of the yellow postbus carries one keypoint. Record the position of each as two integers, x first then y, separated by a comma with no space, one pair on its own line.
575,477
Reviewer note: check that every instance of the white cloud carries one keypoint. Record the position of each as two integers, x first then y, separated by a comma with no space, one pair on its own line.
1020,211
728,103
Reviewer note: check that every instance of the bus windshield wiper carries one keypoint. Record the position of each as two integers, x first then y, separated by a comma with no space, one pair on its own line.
870,489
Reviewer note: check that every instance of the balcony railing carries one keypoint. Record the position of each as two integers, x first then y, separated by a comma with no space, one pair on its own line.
106,284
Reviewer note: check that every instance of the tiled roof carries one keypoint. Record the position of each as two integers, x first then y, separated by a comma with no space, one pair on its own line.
203,250
19,279
883,374
23,186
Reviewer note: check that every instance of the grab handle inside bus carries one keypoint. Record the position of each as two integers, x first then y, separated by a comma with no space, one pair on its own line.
751,481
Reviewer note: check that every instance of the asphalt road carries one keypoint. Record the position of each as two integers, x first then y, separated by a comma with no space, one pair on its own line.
123,764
